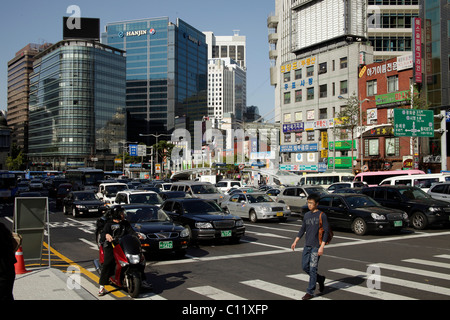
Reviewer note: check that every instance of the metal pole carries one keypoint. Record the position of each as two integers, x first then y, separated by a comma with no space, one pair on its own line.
443,141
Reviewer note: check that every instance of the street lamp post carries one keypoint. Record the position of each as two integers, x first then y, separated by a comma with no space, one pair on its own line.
123,155
155,136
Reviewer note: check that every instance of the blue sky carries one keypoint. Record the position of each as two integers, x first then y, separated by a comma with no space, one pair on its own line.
29,21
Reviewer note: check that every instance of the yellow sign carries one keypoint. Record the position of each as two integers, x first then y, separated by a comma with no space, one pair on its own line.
361,73
298,64
324,153
324,140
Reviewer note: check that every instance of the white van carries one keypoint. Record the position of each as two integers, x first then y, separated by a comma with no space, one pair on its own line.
325,179
226,184
107,191
423,181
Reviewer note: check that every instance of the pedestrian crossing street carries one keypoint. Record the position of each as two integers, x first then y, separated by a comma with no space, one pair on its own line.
396,286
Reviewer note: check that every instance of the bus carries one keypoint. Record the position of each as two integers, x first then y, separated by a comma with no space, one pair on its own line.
84,177
373,178
325,179
8,186
422,181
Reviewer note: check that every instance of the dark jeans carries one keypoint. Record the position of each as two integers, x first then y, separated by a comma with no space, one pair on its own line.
310,264
109,265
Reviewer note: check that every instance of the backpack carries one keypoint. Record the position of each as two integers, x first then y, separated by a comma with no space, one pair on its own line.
321,231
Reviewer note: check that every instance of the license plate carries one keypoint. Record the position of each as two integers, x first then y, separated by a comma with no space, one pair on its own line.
398,223
279,214
93,210
166,245
226,233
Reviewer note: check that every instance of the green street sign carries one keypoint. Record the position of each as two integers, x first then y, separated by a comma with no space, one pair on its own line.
413,123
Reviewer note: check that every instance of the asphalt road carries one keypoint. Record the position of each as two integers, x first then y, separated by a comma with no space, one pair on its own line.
407,266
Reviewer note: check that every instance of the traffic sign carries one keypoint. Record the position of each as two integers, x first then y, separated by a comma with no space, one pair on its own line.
413,123
133,150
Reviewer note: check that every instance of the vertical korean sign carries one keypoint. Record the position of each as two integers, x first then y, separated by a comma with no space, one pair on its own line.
417,50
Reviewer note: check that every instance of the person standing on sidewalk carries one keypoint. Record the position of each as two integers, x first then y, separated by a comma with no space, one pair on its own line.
313,249
7,261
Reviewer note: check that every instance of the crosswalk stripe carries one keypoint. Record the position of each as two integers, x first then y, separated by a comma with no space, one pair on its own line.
421,272
429,263
340,285
395,281
215,294
279,290
445,256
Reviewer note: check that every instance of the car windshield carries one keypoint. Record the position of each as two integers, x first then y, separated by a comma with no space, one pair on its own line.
201,207
204,189
151,214
85,196
361,201
257,198
112,190
147,198
315,190
414,193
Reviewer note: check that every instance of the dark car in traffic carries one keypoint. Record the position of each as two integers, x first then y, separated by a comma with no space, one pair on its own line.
360,213
159,232
204,219
420,207
82,203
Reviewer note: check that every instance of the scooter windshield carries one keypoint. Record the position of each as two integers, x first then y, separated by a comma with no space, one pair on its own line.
130,244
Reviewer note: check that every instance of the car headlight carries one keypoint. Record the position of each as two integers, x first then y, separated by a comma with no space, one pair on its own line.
80,206
435,209
377,216
405,216
203,225
184,233
288,208
141,235
239,223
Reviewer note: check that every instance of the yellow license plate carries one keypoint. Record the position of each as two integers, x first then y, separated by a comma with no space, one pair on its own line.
279,214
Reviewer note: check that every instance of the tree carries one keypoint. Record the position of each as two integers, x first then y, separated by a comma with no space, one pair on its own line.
350,118
164,149
16,161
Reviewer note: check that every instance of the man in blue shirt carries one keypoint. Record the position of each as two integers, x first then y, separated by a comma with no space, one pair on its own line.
313,248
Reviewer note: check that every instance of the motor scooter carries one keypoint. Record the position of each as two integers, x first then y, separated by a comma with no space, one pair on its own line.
130,263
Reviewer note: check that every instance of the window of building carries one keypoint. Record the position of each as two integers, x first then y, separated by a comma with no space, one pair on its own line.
344,88
390,146
299,116
310,71
298,95
310,94
287,118
323,113
287,137
323,68
298,137
287,97
298,74
310,135
392,83
371,87
343,62
287,77
323,91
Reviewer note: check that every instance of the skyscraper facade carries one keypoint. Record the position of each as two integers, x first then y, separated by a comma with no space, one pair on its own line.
77,102
166,74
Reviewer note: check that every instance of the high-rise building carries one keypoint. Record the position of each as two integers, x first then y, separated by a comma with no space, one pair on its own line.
226,89
233,47
166,75
77,102
316,48
389,27
19,69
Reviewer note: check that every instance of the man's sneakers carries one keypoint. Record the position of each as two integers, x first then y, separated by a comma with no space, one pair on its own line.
102,291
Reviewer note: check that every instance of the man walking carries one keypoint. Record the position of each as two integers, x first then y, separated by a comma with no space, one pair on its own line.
313,248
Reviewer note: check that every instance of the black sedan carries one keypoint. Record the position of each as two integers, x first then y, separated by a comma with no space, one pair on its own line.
82,202
360,213
204,219
160,233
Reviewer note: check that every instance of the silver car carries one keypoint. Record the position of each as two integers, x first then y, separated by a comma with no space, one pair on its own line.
440,191
256,206
295,197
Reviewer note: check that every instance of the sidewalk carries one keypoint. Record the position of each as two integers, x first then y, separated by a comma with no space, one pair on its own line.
52,284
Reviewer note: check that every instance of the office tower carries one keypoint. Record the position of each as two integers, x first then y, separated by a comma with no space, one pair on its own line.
77,102
19,69
166,75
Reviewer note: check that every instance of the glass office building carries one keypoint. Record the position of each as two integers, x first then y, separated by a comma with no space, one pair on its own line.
77,102
166,74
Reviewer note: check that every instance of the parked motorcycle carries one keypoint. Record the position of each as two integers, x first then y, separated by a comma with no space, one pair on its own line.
130,263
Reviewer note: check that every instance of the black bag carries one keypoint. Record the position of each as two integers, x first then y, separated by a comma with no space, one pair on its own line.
321,231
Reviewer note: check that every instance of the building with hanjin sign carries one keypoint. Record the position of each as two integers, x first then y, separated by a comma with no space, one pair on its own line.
387,86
